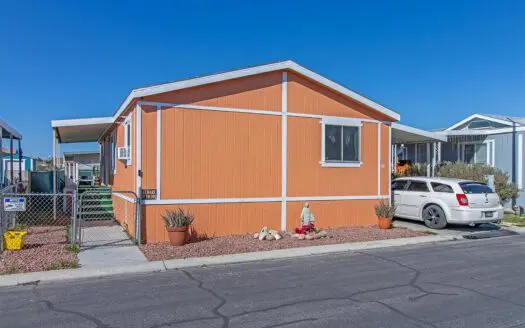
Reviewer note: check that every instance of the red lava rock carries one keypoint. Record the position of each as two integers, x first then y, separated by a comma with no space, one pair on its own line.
43,246
246,243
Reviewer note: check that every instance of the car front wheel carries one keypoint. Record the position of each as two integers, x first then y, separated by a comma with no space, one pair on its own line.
434,217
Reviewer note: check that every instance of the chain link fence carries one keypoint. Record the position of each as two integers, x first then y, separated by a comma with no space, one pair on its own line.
38,214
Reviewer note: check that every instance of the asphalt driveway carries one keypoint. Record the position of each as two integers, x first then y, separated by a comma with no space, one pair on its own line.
456,284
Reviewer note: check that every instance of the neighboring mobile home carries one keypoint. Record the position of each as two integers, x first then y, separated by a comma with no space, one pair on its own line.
481,139
246,149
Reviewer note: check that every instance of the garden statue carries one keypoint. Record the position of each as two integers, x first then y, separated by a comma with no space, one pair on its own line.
307,217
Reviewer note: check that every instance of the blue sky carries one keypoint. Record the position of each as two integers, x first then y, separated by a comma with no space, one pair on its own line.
433,62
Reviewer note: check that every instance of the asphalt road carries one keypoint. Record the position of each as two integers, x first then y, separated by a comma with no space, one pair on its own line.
460,284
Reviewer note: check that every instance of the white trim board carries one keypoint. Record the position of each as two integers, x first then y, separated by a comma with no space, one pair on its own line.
251,111
480,117
483,132
285,65
259,200
82,121
126,198
284,148
520,161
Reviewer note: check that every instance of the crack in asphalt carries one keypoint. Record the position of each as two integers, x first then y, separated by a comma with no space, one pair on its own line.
50,306
413,281
479,293
167,324
292,322
222,301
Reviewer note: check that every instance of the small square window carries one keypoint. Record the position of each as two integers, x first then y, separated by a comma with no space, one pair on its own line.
341,144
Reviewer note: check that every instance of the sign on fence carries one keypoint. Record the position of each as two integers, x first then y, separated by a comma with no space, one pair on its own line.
14,204
149,193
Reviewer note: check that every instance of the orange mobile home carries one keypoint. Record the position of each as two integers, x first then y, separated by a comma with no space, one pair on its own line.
246,148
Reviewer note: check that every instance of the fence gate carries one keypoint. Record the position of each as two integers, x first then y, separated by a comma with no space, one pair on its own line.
107,218
46,217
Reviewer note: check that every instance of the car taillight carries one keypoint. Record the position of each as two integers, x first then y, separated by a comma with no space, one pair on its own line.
462,199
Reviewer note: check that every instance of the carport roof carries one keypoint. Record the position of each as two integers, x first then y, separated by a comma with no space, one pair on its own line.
8,131
407,134
81,130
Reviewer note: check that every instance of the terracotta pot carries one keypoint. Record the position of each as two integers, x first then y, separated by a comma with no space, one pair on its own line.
177,235
384,223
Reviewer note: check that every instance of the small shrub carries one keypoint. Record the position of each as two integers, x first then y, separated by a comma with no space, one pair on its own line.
384,210
478,172
61,265
73,248
177,218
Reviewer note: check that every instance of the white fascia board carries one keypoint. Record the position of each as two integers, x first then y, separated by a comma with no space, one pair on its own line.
482,132
82,121
8,128
478,116
432,135
290,65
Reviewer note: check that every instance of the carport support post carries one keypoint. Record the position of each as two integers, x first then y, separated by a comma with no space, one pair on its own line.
20,160
428,159
54,174
11,157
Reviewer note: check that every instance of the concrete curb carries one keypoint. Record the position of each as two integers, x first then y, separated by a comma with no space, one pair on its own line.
158,266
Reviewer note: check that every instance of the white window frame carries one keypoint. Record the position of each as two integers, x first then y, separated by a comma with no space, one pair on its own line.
340,122
128,141
491,151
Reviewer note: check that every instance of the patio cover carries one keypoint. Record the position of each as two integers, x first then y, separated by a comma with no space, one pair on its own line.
8,132
402,134
81,130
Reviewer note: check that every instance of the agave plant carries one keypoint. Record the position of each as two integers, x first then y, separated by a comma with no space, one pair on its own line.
177,218
385,210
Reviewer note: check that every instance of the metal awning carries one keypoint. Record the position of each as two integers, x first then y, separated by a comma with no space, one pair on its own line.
81,130
402,134
8,132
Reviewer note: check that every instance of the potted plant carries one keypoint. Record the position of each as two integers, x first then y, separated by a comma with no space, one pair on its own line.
177,223
385,212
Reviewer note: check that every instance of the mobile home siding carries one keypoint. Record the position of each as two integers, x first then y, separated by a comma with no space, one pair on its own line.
306,177
214,155
208,154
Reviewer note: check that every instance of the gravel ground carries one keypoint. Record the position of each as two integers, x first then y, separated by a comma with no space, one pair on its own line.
43,247
246,243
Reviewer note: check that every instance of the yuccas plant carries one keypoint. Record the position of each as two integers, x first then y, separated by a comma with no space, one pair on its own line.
177,218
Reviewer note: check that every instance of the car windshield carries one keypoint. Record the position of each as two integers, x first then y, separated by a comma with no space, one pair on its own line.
475,188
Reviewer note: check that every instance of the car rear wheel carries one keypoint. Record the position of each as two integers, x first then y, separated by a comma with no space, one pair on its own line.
434,217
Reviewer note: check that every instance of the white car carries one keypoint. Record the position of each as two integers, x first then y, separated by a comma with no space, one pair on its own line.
438,201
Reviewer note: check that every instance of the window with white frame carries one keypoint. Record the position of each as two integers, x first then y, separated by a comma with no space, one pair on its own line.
479,152
341,143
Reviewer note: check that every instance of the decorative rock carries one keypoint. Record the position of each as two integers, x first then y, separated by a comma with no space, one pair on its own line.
309,237
301,237
263,235
278,237
256,235
270,237
323,233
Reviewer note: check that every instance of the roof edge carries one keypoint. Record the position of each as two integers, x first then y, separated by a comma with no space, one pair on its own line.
288,64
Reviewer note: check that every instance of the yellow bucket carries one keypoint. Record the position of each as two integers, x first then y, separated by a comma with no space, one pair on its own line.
14,240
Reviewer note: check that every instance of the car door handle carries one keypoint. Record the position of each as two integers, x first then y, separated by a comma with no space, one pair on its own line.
397,194
423,196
